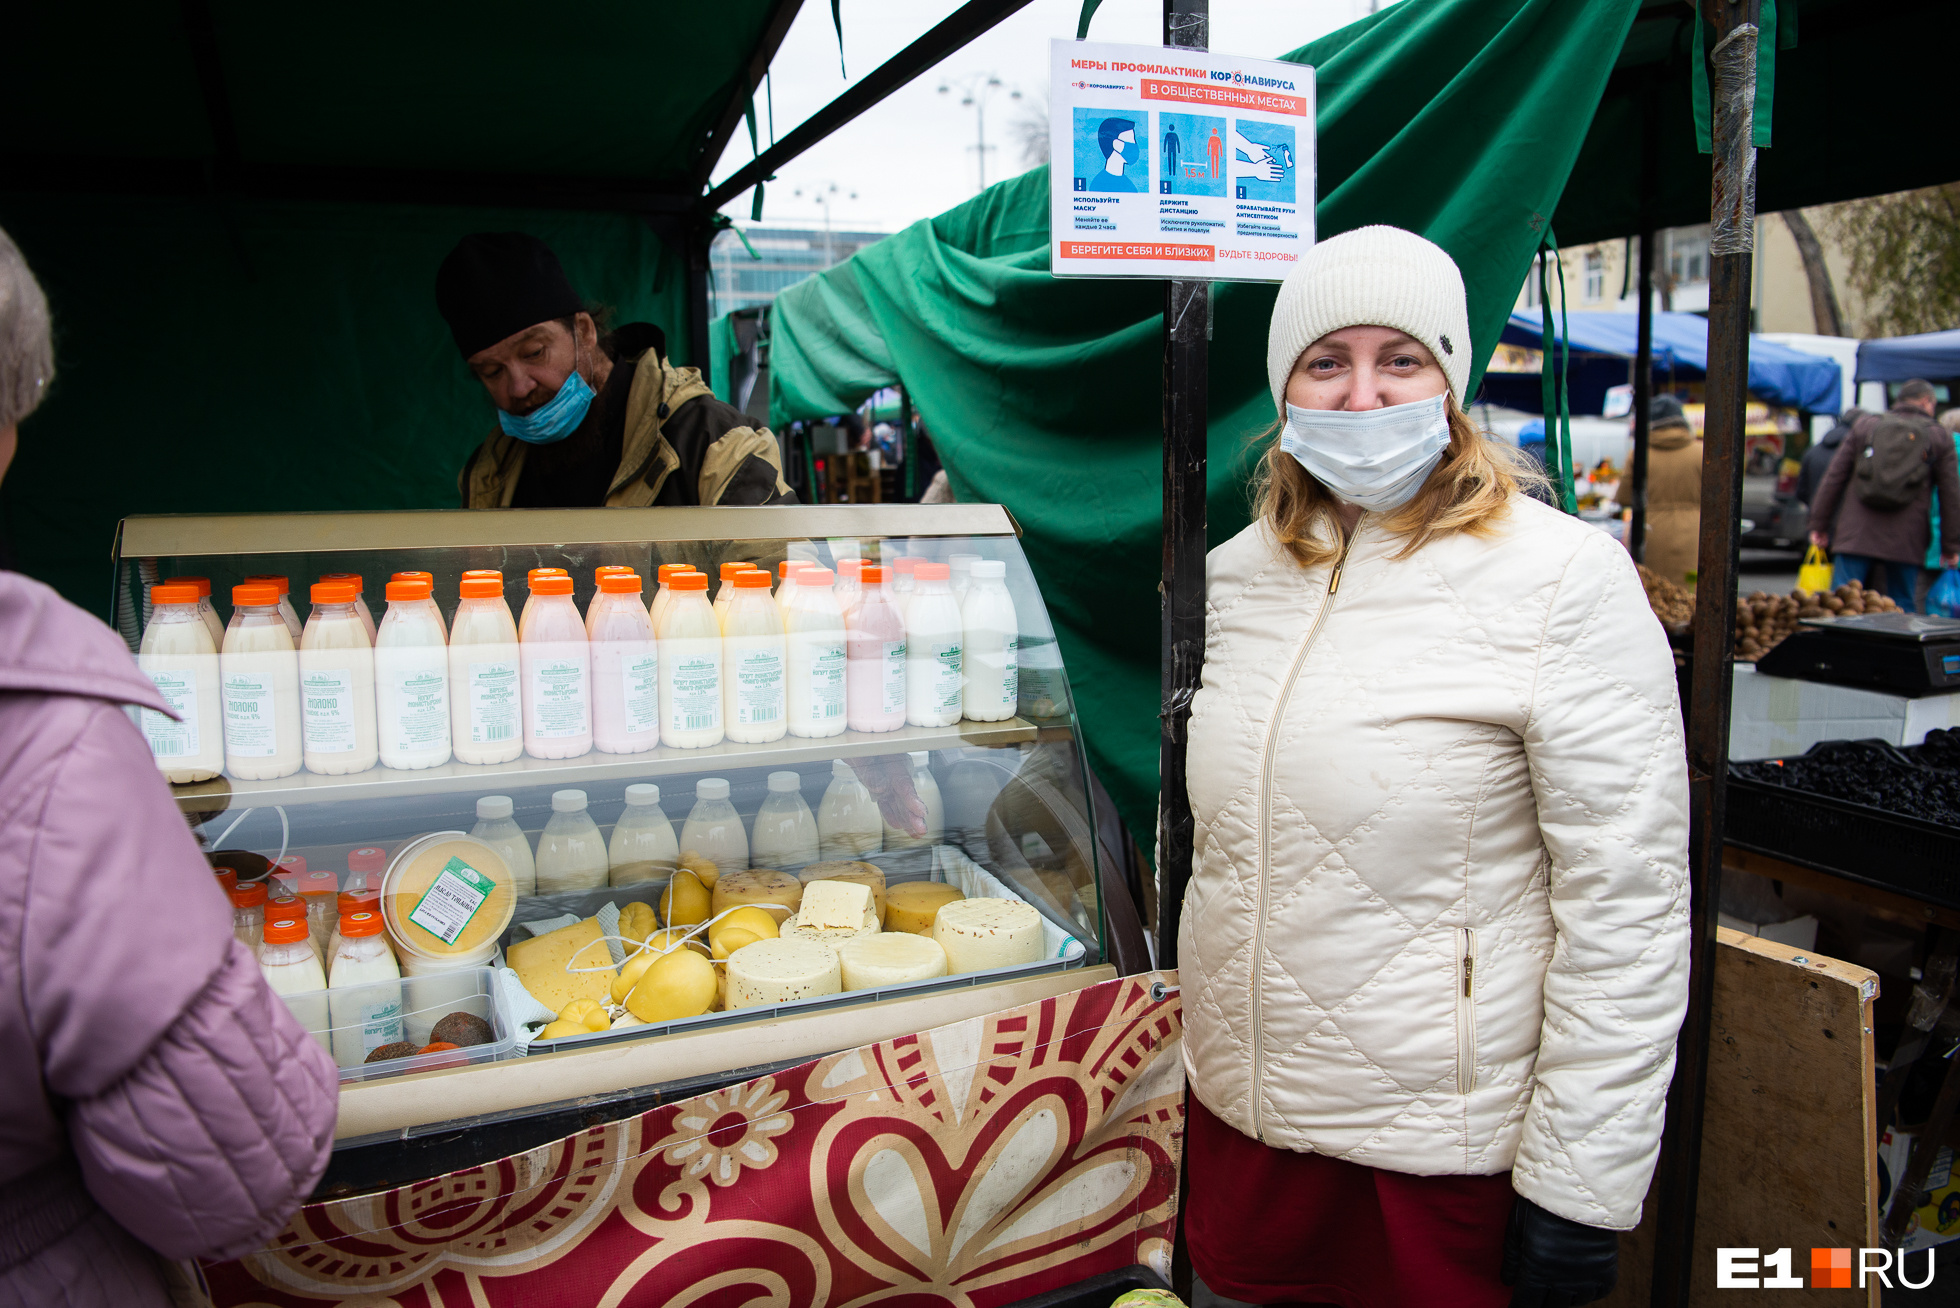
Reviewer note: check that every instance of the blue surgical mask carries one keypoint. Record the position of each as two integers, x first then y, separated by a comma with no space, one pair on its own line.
556,420
1376,458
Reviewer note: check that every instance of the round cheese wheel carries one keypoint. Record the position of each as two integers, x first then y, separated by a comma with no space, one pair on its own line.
832,936
888,959
864,874
778,971
447,895
978,934
912,905
776,892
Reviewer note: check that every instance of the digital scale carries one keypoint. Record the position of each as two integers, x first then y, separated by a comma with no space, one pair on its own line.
1904,653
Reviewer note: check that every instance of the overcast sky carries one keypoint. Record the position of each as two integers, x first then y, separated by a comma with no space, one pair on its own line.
912,155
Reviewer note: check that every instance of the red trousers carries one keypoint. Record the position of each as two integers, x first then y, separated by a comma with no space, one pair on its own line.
1272,1226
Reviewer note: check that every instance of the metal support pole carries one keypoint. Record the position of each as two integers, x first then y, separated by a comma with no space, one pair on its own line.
1731,248
698,238
1643,399
1187,331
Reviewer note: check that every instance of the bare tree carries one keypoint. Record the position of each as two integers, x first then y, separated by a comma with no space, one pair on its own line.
1030,129
1823,295
1904,252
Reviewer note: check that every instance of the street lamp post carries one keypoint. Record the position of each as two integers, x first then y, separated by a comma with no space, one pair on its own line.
821,193
974,95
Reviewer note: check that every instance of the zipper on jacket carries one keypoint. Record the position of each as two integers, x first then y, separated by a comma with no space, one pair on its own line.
1466,1017
1266,829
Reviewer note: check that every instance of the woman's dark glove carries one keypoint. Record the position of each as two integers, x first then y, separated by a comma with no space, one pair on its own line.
1555,1262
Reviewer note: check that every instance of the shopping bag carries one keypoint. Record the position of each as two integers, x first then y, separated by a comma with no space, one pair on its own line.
1944,598
1815,574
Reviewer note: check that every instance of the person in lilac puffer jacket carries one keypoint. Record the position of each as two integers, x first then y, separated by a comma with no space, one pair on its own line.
157,1100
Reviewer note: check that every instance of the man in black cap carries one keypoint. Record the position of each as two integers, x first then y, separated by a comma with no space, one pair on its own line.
586,421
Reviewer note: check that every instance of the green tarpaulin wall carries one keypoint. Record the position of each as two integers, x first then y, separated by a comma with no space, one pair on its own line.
1475,122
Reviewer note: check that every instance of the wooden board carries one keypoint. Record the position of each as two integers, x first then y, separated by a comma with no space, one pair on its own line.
1789,1145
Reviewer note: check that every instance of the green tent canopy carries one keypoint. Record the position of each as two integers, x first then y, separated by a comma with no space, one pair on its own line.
1479,123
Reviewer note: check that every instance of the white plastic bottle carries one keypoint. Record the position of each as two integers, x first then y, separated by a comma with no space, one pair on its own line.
599,574
361,609
366,1008
714,829
181,661
287,613
814,678
336,681
486,713
726,595
848,822
927,789
785,834
625,668
571,852
642,847
753,663
434,607
663,594
993,635
874,668
496,828
259,674
690,666
850,582
205,608
786,582
557,663
934,649
962,579
904,581
291,968
530,577
411,679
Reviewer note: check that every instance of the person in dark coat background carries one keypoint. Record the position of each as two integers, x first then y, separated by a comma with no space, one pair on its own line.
1817,459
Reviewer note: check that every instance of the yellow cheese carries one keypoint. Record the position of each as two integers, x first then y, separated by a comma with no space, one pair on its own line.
685,901
465,866
797,929
778,971
705,869
978,934
742,926
637,920
889,958
540,964
676,985
912,905
864,874
834,904
777,893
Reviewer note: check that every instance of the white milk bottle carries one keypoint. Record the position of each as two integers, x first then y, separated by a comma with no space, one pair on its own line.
287,613
848,823
814,678
361,609
496,828
850,582
753,662
571,852
786,582
485,706
557,663
962,579
258,671
920,765
785,836
292,969
714,829
642,847
690,666
364,993
625,669
904,581
205,608
874,668
434,607
411,679
934,636
336,682
181,661
993,635
726,595
663,593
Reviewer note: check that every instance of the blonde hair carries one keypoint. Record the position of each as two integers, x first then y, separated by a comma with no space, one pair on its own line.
1469,491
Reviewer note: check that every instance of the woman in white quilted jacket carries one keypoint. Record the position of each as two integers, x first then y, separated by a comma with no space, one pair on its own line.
1434,950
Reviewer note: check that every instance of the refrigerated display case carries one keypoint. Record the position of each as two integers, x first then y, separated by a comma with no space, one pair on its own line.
1013,819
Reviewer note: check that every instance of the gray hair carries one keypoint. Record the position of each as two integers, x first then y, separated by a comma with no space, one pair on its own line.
26,337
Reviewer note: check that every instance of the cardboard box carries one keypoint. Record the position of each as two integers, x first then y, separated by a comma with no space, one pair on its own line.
1776,717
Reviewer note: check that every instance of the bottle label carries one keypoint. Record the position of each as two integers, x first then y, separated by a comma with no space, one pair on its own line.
892,680
420,720
944,675
451,900
327,710
250,728
1010,678
697,693
758,686
170,739
639,674
821,656
381,1023
558,702
493,702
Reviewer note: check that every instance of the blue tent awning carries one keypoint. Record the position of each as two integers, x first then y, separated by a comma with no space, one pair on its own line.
1777,373
1902,358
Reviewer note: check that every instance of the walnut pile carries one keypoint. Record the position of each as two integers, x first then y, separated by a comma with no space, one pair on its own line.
1672,604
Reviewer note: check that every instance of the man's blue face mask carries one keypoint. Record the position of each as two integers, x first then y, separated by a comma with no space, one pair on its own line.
556,420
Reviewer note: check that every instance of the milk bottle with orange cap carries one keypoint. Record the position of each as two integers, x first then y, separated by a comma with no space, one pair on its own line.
814,632
934,650
364,994
874,668
690,666
530,577
663,594
205,608
557,664
292,969
287,613
726,595
752,663
625,668
336,676
599,574
258,673
411,679
181,661
485,705
434,607
361,609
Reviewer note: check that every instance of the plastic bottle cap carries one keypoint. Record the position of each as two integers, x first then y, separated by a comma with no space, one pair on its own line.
334,592
491,808
481,588
919,758
780,781
839,768
535,573
620,583
354,577
643,792
688,581
409,589
203,584
355,925
181,592
227,879
905,563
711,788
669,569
318,882
357,901
568,801
286,930
853,568
254,594
273,579
483,572
288,907
368,858
294,863
550,584
931,571
755,580
429,577
985,569
815,578
788,566
604,568
871,575
729,571
251,896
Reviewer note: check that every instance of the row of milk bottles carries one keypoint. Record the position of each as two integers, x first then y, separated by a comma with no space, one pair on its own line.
857,648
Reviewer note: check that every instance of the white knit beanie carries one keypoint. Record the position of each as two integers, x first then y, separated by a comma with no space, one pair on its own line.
1371,277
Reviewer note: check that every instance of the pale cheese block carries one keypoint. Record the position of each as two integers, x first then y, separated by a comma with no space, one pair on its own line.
864,874
888,959
778,971
912,905
540,964
778,893
473,906
978,934
796,929
834,904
